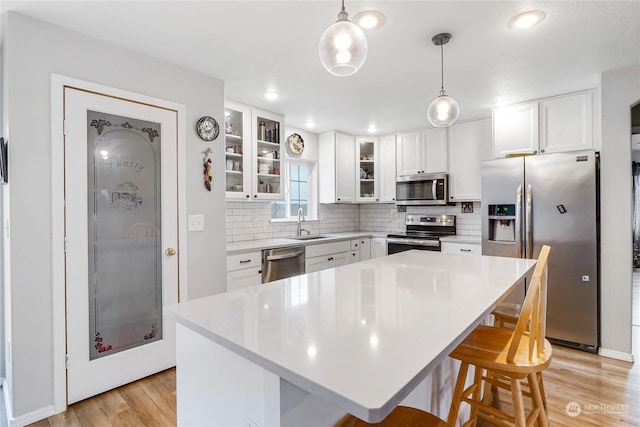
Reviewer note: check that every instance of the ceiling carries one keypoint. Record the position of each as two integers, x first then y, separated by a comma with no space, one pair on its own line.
254,46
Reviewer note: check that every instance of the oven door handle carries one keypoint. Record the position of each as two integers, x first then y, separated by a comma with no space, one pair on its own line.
414,242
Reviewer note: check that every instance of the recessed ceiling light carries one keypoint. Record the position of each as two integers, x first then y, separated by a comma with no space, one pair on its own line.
369,19
499,103
270,95
526,20
310,123
372,129
227,114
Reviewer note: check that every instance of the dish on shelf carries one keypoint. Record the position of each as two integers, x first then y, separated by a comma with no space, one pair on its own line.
295,143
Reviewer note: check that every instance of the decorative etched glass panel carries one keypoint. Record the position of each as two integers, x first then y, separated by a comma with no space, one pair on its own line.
125,253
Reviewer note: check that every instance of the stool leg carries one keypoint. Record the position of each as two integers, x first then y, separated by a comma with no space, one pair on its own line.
518,403
537,399
477,380
457,394
542,392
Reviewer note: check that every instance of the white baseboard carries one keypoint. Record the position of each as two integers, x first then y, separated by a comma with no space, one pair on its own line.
25,419
615,354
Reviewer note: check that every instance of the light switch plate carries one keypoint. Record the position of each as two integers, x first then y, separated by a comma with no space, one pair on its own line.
196,223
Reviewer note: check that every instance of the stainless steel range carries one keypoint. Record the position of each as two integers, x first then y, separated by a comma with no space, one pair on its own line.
423,233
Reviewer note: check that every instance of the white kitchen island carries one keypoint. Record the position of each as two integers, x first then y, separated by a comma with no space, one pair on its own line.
361,339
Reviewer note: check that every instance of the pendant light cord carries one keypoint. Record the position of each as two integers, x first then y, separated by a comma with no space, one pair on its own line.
343,5
441,67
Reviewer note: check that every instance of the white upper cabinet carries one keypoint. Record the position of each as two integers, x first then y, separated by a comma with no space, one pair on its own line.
551,125
566,123
515,129
337,162
367,169
408,153
469,145
421,152
387,169
434,150
253,153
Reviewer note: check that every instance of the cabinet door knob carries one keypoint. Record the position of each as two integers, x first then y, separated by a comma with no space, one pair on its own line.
542,151
247,196
377,200
535,151
170,252
255,195
338,199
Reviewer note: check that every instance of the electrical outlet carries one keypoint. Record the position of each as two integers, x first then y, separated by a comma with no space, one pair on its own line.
402,208
467,207
196,223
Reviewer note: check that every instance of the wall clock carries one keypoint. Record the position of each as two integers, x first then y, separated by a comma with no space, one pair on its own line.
295,144
207,128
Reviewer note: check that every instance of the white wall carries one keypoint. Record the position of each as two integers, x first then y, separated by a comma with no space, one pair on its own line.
620,90
33,50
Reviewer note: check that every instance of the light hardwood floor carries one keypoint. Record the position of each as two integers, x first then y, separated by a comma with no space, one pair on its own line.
592,381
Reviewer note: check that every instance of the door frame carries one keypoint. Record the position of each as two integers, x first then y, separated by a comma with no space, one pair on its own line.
58,84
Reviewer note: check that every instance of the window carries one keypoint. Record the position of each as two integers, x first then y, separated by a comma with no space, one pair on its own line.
299,192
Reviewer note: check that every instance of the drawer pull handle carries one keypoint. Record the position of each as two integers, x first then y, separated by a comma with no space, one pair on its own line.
330,259
465,250
244,261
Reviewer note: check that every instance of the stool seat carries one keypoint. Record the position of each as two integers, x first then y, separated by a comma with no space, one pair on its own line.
402,416
506,313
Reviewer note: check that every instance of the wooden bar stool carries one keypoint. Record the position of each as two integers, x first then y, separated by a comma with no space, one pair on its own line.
508,356
402,416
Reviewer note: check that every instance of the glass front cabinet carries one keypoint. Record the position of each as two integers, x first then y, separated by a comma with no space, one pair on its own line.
253,153
366,169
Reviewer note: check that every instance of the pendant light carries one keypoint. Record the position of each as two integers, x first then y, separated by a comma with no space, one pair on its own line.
343,46
443,111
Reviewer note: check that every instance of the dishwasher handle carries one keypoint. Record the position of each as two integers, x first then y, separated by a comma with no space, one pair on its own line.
284,256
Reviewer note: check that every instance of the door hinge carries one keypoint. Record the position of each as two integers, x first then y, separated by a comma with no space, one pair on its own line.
66,361
65,244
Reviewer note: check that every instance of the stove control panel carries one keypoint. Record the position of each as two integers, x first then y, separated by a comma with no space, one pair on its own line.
432,220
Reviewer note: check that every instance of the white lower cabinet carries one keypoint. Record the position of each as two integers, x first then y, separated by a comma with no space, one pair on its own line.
378,247
360,249
461,248
327,255
244,270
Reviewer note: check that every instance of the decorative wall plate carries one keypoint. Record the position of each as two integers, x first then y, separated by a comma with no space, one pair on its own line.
295,143
207,128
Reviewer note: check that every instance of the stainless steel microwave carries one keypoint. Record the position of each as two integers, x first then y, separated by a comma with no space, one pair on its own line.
422,189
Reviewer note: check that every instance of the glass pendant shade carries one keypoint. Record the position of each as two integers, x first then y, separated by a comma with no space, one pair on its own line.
343,47
443,111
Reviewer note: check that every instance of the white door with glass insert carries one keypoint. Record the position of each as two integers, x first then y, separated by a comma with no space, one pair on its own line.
121,240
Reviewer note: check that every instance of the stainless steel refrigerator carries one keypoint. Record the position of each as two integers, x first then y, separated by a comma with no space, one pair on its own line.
550,199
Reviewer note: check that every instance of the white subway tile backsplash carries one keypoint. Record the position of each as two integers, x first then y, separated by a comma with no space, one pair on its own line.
252,220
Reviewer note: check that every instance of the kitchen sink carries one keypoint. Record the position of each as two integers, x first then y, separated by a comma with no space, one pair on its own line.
309,237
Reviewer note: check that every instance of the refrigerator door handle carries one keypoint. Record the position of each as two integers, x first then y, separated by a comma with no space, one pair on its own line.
528,221
519,222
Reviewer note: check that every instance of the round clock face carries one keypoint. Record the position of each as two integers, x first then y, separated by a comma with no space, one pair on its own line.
207,128
295,143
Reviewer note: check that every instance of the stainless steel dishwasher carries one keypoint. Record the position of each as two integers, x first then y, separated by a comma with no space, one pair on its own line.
280,263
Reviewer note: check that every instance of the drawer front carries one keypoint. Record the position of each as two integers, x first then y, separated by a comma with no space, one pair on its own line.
241,261
326,261
327,248
461,248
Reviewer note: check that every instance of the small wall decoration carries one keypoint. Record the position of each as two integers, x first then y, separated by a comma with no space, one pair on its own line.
295,144
207,128
206,163
4,161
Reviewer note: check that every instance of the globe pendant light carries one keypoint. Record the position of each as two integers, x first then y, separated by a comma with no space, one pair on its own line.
443,111
343,46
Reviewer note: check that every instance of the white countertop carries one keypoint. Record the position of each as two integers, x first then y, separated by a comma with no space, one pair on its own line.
363,335
258,245
462,239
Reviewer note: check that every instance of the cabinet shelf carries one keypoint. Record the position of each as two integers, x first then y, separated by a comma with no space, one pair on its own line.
268,159
268,175
269,144
234,172
367,180
232,136
367,161
235,155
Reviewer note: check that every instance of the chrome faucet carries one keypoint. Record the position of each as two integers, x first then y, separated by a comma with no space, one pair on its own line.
300,221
